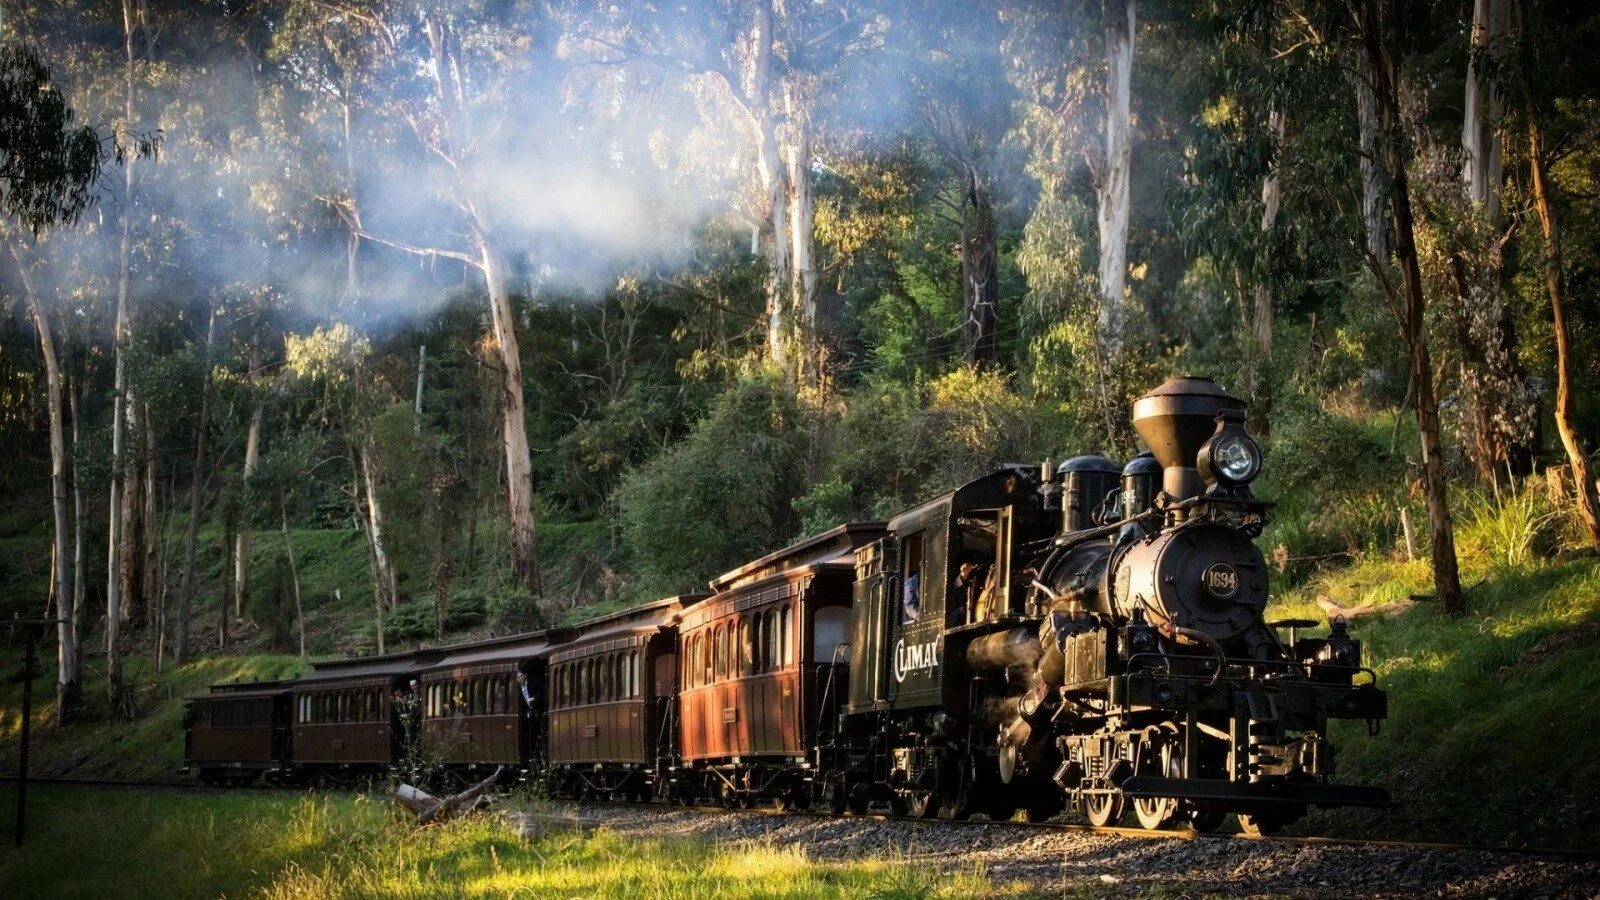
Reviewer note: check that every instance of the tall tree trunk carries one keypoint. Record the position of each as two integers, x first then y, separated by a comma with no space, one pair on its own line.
121,701
802,238
1264,317
1491,371
252,455
456,133
153,570
1114,173
135,600
774,186
60,554
388,595
1376,36
1374,171
1566,404
1480,129
514,428
980,272
80,570
197,480
294,579
230,525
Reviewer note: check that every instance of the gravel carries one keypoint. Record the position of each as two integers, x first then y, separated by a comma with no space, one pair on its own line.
1101,864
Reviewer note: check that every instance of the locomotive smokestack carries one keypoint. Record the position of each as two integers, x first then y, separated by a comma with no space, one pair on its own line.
1175,419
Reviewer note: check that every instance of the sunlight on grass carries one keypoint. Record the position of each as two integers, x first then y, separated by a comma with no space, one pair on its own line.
281,846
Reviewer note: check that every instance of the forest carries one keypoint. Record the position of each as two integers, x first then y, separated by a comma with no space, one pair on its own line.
340,327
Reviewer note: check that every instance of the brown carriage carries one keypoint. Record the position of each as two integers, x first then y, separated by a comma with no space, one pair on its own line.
763,671
472,708
611,701
238,732
351,716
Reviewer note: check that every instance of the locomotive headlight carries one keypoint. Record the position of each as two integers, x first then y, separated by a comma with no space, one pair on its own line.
1236,457
1231,458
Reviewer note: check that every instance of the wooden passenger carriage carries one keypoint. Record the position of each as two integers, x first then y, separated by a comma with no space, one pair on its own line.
472,709
238,732
763,670
351,716
610,698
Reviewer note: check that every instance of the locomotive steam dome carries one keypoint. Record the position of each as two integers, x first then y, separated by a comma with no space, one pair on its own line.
1174,420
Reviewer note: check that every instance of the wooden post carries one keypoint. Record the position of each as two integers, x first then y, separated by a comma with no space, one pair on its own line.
1411,540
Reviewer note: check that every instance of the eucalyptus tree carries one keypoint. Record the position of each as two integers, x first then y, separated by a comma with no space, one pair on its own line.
49,164
469,85
768,64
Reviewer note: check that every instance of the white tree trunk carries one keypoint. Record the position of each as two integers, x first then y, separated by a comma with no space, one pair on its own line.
1271,202
243,542
191,532
115,689
1115,170
1374,173
519,459
802,235
294,578
60,557
1480,130
386,590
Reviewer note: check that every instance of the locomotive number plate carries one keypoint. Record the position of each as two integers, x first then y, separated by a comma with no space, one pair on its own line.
1221,580
590,731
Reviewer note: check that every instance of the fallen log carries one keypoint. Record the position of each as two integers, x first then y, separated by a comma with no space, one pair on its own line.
1349,613
431,810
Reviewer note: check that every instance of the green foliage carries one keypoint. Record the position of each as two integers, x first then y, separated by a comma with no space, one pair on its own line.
1513,531
722,495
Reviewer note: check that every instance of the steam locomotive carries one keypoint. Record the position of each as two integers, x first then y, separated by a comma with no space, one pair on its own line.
1086,634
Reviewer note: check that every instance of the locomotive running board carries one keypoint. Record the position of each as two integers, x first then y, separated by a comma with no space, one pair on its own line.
1216,790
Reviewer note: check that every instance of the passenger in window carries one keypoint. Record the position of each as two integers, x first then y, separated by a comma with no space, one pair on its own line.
911,597
527,697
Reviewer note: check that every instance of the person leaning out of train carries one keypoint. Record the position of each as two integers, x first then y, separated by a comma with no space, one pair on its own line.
527,698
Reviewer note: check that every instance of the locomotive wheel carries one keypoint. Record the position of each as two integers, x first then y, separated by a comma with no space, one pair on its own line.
1156,813
922,804
1268,823
860,795
836,799
1203,818
1104,809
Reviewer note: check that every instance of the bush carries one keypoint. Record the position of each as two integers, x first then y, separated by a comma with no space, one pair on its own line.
1512,531
722,495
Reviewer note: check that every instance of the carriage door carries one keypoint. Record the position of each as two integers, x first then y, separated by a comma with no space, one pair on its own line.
877,565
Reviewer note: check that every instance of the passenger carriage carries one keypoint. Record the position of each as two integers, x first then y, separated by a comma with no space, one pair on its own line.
611,709
352,717
472,709
238,733
763,672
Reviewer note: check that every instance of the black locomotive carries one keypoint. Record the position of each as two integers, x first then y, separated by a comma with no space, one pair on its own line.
1094,636
1087,634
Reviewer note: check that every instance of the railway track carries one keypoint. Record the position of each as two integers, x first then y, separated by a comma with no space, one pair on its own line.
1068,827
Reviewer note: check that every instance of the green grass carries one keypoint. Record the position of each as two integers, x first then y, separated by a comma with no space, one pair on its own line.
1494,727
95,843
147,748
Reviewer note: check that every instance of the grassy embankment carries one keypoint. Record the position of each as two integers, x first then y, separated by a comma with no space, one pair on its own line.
278,846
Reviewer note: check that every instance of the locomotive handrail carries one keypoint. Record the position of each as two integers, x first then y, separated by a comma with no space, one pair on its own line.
1287,665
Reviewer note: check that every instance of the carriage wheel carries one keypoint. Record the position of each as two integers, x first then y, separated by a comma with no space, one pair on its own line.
859,797
1206,818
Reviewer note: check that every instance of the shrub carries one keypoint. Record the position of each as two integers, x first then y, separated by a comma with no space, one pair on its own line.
1512,531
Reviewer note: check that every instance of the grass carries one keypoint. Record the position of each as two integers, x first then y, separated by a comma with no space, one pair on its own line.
281,846
148,748
1494,727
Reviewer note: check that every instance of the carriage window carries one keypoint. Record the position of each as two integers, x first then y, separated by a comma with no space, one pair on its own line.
633,674
911,578
305,709
747,646
786,636
829,625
